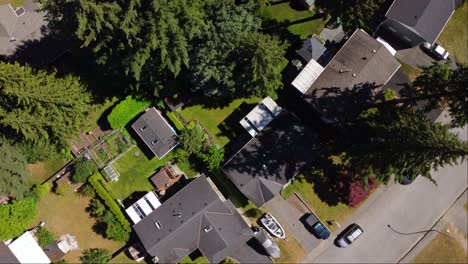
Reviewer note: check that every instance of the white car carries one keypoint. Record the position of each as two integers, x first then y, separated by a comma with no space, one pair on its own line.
350,234
437,50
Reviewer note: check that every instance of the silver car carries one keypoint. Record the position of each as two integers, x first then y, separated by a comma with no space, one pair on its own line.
348,236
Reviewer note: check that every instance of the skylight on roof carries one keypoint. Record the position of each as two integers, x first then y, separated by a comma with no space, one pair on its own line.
142,128
158,225
154,142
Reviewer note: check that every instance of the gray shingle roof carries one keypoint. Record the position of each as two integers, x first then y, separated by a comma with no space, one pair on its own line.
359,68
272,158
426,17
156,132
311,48
183,219
8,21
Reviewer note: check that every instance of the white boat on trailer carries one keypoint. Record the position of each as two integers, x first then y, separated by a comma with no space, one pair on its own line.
273,226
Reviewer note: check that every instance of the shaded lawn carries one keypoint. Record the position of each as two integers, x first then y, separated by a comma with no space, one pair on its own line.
67,215
455,35
135,170
14,3
410,71
444,249
305,188
284,14
96,112
41,171
211,118
122,258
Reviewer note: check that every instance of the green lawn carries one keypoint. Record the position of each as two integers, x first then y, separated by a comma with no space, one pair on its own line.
305,188
96,113
200,259
14,3
43,170
284,14
444,248
135,170
212,118
455,35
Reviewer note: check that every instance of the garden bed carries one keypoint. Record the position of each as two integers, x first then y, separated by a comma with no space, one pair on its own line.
110,148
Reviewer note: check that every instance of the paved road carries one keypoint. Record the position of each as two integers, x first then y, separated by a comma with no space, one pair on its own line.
410,208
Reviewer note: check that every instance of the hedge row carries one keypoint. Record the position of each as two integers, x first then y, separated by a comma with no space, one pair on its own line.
108,200
125,111
179,126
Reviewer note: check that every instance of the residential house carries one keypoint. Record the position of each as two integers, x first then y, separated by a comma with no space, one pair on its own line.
417,21
351,80
23,249
196,217
156,132
272,158
20,25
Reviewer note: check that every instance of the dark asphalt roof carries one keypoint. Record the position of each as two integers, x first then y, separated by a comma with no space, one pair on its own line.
426,17
311,48
272,158
360,67
6,256
156,132
183,219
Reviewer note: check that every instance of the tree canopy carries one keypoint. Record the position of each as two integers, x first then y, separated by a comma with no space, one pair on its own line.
39,107
354,14
14,176
400,141
440,86
96,255
16,217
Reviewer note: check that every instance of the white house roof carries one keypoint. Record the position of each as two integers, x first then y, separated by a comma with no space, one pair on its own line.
307,76
143,207
260,116
27,250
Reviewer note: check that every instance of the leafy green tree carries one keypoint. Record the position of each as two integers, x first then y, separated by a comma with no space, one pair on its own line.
192,139
97,208
44,236
115,231
41,189
87,191
95,255
437,86
16,217
39,107
401,142
213,158
14,176
83,168
354,14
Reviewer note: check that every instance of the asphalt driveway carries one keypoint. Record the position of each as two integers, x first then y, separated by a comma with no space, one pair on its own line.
411,208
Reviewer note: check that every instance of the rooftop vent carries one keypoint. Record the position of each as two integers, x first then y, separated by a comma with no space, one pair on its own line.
154,142
158,225
142,128
354,75
374,51
178,215
345,70
208,229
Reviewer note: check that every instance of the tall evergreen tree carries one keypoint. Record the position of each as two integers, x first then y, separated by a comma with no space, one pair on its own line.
265,54
354,14
14,177
401,142
438,85
36,106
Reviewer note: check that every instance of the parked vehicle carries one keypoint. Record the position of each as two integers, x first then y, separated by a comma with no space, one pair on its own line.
318,228
349,235
273,226
438,51
270,246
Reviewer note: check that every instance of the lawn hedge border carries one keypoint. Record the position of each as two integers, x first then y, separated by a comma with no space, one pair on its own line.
125,111
109,200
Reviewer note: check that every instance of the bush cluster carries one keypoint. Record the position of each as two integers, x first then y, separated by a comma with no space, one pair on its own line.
114,230
108,200
125,111
83,168
44,236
